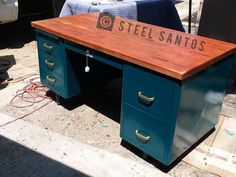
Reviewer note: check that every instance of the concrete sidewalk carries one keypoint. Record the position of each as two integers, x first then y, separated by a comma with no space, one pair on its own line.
39,152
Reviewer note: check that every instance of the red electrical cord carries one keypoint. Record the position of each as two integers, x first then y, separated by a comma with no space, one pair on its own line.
32,93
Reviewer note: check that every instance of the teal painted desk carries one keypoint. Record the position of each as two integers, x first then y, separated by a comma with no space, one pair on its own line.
173,83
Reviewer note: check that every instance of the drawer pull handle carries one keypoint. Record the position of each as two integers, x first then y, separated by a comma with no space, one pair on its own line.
50,65
51,80
143,97
48,47
141,137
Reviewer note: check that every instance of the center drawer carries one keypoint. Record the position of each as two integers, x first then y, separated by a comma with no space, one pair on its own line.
147,91
95,55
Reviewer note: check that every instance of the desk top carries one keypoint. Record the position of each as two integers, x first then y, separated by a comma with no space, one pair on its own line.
172,53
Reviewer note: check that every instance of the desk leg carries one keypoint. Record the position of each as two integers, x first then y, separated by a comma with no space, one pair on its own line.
58,99
145,156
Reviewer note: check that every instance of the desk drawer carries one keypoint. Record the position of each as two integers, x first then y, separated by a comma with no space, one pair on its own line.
53,81
95,55
49,45
51,63
147,91
143,131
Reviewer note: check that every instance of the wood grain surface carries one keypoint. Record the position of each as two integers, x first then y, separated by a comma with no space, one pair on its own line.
173,53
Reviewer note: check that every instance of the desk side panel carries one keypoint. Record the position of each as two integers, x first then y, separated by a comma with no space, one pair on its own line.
200,105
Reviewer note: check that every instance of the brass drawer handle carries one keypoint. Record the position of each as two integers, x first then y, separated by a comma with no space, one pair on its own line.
142,138
143,97
46,46
50,65
51,80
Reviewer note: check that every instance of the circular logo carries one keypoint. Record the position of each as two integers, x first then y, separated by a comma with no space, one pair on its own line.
106,21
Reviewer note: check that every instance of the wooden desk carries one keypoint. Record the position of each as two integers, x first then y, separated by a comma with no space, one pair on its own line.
173,83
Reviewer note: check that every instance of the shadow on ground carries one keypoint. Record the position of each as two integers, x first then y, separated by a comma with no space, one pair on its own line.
19,161
157,163
6,62
105,99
